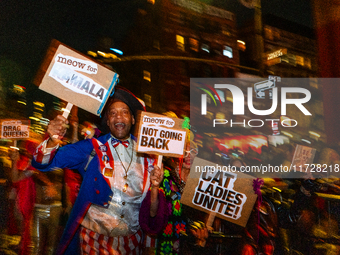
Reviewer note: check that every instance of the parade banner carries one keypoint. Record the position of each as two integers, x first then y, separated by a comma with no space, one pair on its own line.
75,78
160,135
15,129
216,190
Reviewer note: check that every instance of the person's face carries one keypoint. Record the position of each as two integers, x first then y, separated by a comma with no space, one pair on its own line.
120,120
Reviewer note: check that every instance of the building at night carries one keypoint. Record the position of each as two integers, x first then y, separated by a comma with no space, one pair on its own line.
179,34
289,52
289,48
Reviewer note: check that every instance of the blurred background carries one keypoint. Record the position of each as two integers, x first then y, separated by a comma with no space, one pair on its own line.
156,46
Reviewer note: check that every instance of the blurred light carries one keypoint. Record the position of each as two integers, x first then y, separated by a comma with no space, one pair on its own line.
40,104
220,115
204,47
256,145
224,145
13,147
117,51
230,99
287,134
146,75
103,54
306,141
277,189
65,110
286,121
91,53
21,102
314,133
110,55
241,42
34,118
228,51
19,87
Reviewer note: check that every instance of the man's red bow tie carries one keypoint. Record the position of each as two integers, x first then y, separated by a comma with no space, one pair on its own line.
115,142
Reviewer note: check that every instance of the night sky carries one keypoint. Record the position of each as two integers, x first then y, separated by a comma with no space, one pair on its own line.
27,27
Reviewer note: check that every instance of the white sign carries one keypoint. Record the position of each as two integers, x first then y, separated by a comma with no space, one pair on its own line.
77,64
75,78
164,121
77,82
14,129
277,53
162,140
215,192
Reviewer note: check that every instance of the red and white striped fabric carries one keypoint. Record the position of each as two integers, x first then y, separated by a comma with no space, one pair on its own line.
92,243
44,155
149,241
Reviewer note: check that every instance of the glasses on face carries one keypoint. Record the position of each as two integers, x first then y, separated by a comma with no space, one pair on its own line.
192,152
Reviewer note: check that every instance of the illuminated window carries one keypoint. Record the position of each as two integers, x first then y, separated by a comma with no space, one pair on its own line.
308,63
221,95
194,45
205,47
228,51
180,42
147,76
300,60
226,30
241,45
147,100
268,34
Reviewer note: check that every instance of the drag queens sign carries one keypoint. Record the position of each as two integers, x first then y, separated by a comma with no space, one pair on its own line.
75,78
160,135
216,190
15,129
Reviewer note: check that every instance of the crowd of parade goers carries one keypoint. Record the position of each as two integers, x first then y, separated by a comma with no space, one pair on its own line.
99,196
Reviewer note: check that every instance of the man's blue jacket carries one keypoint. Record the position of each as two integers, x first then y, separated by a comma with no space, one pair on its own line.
94,189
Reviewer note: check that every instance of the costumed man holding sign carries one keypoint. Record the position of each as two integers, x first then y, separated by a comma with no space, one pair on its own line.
104,219
166,237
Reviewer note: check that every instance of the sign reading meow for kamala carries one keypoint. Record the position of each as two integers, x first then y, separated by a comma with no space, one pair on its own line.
75,78
213,188
15,129
160,135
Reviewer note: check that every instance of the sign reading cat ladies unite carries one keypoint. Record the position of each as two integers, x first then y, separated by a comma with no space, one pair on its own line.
15,129
213,188
75,78
160,135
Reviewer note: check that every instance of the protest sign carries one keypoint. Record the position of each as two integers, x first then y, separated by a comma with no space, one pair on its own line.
75,78
303,157
213,189
160,135
15,129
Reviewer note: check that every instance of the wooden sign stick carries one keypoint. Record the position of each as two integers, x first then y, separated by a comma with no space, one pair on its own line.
65,114
210,219
159,161
67,110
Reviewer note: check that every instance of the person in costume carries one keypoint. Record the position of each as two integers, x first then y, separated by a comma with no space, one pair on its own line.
104,218
39,200
166,237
